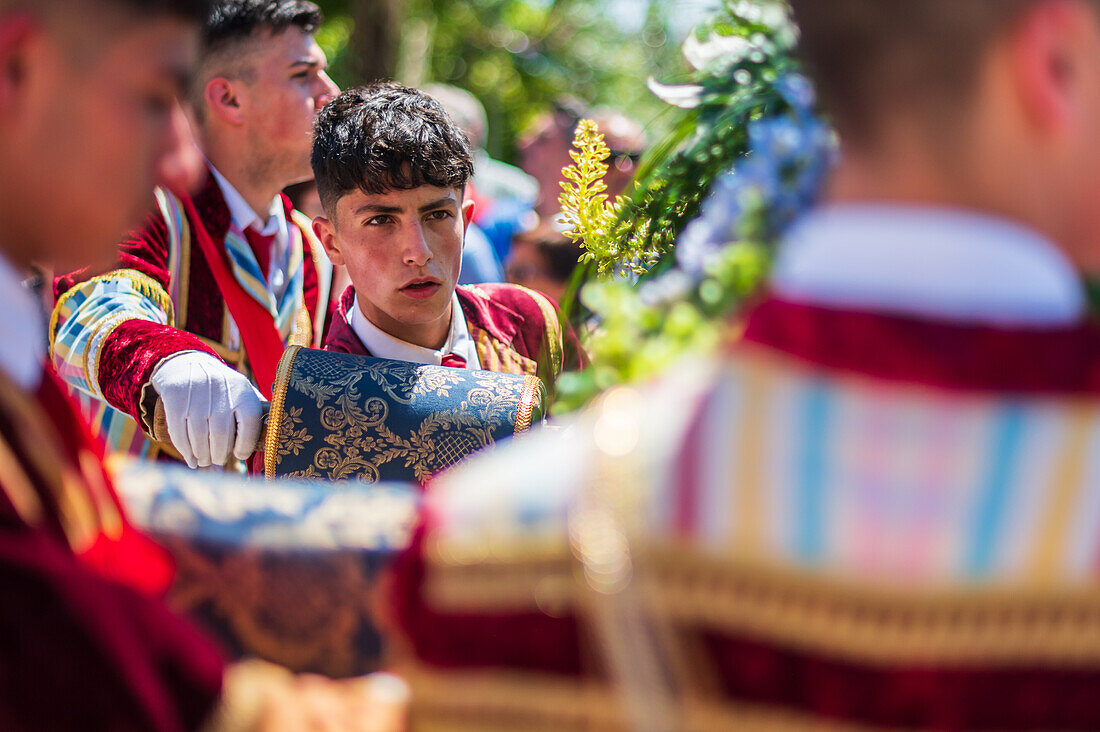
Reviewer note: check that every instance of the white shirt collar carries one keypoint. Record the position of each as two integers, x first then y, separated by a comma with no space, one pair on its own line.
383,345
930,262
243,217
22,330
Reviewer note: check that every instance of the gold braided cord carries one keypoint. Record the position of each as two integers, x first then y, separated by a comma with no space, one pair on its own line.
530,397
278,402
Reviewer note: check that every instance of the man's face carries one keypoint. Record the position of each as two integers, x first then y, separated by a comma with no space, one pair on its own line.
403,252
87,135
287,87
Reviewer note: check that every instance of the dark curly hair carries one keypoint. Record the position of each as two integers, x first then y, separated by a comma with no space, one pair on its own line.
385,137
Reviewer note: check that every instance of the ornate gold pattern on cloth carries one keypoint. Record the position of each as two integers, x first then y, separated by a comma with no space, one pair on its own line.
289,572
339,416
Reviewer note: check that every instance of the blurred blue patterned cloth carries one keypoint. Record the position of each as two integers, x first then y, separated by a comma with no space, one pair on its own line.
282,570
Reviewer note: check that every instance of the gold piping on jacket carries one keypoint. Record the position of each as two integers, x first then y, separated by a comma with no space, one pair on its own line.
278,402
471,700
1003,625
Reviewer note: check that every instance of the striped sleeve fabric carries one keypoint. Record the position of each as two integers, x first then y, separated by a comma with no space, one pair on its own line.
86,315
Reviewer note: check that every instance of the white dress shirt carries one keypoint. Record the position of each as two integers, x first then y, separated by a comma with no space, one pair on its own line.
22,330
382,345
928,262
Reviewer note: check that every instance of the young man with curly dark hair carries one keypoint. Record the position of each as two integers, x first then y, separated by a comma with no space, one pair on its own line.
391,170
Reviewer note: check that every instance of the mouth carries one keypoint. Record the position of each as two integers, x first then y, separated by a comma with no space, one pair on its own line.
421,288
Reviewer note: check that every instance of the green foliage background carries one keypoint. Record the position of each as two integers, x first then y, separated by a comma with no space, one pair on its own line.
518,56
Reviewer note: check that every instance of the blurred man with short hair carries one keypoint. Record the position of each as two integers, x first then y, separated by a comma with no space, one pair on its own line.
206,296
89,122
879,509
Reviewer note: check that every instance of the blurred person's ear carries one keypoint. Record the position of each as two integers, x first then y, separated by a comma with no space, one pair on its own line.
223,100
1054,55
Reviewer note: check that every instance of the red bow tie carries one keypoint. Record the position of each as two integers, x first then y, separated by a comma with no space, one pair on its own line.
454,361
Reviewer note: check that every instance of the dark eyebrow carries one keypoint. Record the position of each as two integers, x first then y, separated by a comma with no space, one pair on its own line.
378,208
437,204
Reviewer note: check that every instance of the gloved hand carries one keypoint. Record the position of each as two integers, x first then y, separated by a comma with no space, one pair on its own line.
212,410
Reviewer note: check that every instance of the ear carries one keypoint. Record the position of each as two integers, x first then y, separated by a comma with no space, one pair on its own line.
223,100
1048,56
325,231
467,213
17,34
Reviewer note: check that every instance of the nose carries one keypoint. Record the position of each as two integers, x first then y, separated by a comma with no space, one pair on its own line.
179,166
415,250
328,90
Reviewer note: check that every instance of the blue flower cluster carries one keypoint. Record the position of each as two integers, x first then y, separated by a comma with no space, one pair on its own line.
764,192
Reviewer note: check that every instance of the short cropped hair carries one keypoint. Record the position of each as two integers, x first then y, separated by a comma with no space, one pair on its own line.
922,56
232,21
231,24
386,137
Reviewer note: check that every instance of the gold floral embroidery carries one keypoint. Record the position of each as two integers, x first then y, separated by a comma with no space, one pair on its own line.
362,422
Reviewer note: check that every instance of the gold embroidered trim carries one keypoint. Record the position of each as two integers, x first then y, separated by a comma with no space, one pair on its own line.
302,334
143,283
553,332
278,402
316,250
96,341
471,700
857,621
529,397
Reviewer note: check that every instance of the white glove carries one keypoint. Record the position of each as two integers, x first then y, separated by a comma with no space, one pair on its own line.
211,409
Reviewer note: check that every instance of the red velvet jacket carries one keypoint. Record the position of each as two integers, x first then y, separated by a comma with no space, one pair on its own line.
553,652
516,330
87,643
127,356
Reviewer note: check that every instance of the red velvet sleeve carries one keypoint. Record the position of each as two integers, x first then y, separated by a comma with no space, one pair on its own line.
131,353
78,651
516,640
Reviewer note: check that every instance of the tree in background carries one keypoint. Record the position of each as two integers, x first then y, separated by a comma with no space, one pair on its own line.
517,56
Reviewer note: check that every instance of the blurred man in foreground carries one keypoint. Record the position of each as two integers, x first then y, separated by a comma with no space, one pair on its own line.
880,510
89,123
207,294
